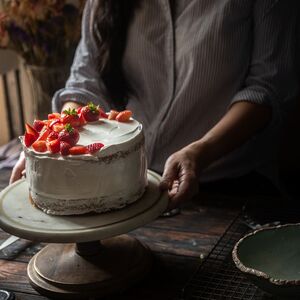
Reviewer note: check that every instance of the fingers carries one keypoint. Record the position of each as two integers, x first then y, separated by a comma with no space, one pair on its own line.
184,188
18,169
169,175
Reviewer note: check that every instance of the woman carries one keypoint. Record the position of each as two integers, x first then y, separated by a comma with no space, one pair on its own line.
207,79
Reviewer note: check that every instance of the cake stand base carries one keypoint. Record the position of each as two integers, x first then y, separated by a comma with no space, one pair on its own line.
92,269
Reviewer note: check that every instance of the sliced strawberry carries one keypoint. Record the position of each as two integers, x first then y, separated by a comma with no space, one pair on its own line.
103,114
91,112
69,134
70,116
92,148
44,134
53,116
29,139
53,146
112,115
39,146
53,122
79,109
38,125
124,116
31,130
47,122
52,136
58,127
64,148
77,150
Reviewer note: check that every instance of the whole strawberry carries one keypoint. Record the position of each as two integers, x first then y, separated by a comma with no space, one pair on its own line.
91,112
70,116
69,135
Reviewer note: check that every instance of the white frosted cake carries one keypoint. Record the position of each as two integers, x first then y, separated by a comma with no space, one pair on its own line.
78,181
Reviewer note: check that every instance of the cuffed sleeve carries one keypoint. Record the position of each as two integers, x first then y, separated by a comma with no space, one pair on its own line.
271,79
84,83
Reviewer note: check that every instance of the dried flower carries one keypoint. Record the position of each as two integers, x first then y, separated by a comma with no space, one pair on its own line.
43,32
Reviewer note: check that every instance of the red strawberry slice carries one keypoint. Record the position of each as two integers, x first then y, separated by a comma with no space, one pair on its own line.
52,136
69,134
92,148
29,139
91,112
64,148
58,127
77,150
38,125
52,123
44,134
54,116
39,146
70,116
79,109
124,116
53,146
112,115
31,130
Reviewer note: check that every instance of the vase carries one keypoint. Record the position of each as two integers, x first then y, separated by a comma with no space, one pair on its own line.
44,82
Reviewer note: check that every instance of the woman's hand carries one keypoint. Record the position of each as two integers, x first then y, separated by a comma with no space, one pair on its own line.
181,175
18,169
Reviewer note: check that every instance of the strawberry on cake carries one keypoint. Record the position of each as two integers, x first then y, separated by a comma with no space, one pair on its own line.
85,160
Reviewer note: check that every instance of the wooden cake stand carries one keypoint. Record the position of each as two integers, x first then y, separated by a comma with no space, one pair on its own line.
98,260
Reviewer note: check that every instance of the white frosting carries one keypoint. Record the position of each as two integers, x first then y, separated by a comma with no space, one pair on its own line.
112,178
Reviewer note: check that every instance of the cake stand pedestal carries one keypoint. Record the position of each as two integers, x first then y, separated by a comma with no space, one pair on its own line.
88,255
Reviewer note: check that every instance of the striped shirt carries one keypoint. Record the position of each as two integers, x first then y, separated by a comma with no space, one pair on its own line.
187,64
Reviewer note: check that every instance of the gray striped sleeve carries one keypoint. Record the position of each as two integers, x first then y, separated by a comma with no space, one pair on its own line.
271,78
84,84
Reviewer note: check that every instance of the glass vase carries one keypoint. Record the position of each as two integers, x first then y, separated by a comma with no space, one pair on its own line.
44,82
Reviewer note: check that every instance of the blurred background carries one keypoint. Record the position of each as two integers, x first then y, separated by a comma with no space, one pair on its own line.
37,44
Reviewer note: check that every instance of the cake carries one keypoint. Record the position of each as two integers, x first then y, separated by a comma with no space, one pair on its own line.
78,162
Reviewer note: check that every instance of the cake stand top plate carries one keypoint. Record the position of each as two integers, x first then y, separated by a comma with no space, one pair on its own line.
19,217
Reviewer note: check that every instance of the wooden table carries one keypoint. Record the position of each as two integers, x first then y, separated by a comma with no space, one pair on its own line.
177,244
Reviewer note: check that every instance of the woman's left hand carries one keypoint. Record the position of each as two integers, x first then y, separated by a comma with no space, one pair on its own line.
181,176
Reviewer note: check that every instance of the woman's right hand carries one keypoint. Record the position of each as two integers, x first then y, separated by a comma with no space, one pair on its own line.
18,169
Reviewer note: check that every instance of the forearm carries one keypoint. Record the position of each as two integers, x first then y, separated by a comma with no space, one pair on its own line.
71,105
242,121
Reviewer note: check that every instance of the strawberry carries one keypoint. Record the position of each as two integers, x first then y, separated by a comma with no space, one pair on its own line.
79,109
70,116
44,134
102,113
31,130
69,134
92,148
54,116
77,150
38,125
29,139
124,116
53,122
58,127
52,136
112,115
53,146
64,148
39,146
91,112
82,120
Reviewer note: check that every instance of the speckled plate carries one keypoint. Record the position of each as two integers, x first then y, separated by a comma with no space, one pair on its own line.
20,218
270,257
